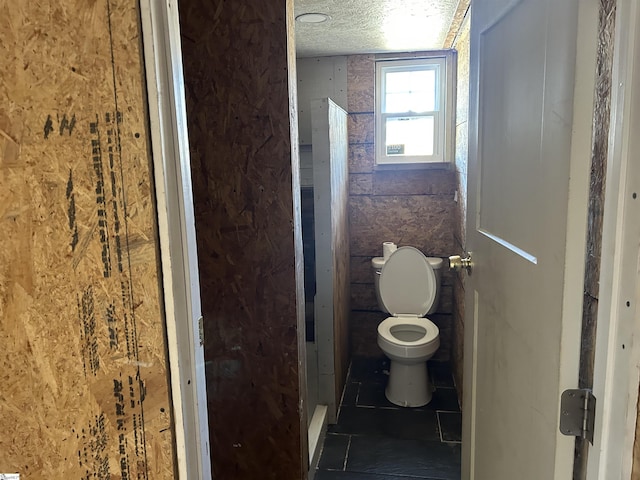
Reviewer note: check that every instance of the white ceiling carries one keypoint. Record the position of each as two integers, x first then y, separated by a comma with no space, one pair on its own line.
375,26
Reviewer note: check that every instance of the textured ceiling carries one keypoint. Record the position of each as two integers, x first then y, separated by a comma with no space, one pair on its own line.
374,26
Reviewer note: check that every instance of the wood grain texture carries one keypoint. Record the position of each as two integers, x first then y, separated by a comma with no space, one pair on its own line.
457,347
363,297
360,184
364,333
361,158
422,221
341,250
361,271
237,62
83,364
415,182
456,23
361,128
361,83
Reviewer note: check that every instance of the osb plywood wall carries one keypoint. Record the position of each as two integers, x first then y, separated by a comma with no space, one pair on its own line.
460,233
342,278
83,368
238,106
408,207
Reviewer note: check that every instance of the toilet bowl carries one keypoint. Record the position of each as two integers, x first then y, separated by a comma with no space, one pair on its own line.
408,288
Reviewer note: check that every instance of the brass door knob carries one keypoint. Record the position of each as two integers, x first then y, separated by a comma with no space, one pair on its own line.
457,263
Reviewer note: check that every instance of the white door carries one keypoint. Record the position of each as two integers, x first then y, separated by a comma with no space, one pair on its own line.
526,233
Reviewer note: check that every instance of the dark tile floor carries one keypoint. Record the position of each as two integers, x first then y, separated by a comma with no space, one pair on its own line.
376,440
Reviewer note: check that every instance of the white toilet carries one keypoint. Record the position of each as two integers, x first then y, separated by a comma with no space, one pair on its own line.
408,287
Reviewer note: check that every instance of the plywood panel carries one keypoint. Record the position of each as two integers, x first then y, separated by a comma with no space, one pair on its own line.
462,45
332,303
457,348
361,86
319,77
360,184
363,297
361,271
456,24
423,221
364,333
83,363
415,182
361,158
238,58
361,128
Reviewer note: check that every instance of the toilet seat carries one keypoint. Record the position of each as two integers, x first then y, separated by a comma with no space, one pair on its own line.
402,350
430,334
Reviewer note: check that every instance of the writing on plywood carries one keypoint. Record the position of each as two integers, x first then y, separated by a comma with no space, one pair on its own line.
83,365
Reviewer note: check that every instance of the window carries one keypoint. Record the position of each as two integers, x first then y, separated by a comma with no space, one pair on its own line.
414,110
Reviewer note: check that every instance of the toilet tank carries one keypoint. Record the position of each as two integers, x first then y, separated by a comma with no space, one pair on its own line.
436,263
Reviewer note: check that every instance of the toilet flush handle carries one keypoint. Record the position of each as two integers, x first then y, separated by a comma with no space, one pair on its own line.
457,263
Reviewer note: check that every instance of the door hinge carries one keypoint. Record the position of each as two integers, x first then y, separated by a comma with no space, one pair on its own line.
578,412
201,330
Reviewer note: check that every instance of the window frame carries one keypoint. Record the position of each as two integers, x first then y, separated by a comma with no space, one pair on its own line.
444,115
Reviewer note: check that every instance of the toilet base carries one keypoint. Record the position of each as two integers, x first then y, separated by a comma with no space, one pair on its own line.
409,385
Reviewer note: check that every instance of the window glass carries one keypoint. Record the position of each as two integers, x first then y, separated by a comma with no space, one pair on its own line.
409,136
412,91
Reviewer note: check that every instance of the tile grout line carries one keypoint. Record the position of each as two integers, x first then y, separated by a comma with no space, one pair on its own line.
346,454
344,390
439,426
442,440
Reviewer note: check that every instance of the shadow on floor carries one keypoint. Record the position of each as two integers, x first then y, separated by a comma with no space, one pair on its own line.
377,440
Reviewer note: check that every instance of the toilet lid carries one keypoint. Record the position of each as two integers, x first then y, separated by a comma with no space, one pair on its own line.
407,283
